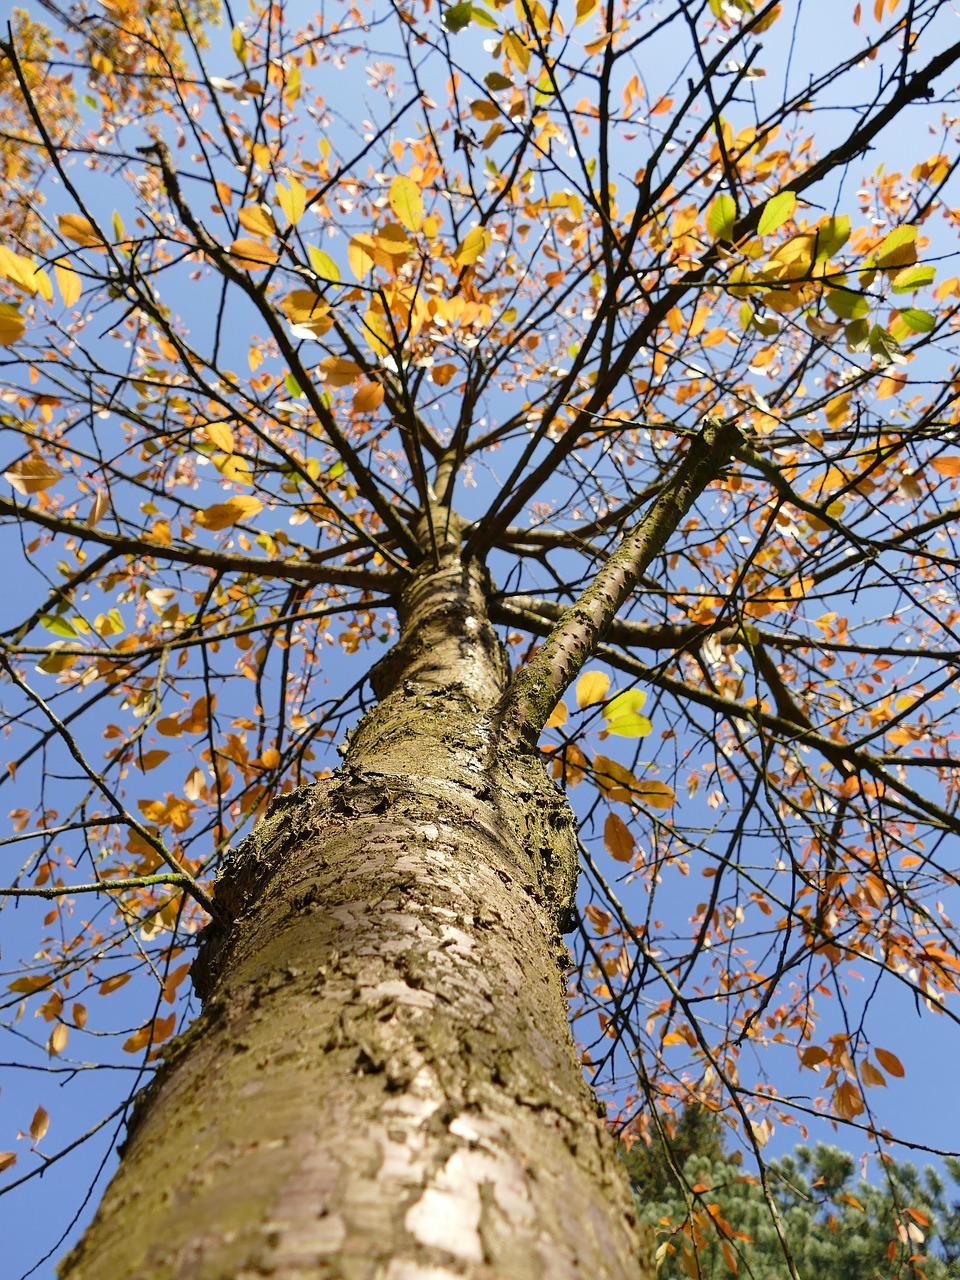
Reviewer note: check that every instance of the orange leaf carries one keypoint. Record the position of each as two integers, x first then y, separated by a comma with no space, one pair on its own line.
617,839
113,984
889,1061
252,255
949,466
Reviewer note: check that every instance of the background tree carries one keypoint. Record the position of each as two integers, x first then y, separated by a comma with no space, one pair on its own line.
712,1219
461,329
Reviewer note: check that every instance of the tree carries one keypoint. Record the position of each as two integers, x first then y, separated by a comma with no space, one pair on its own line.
569,354
712,1219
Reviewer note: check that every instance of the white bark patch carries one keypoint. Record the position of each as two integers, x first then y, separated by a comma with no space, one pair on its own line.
398,990
447,1215
400,1270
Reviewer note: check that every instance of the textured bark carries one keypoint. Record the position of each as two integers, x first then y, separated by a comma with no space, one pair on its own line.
382,1083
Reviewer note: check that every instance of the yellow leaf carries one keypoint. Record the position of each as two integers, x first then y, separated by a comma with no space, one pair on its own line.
558,716
338,371
617,840
220,434
223,514
622,715
472,246
81,231
292,200
251,255
307,312
12,324
18,270
32,474
270,758
238,44
7,1160
949,466
234,468
323,264
69,284
890,1062
406,201
58,1039
592,688
584,10
257,220
838,410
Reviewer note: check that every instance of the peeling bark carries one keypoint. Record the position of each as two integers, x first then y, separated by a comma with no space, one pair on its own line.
382,1083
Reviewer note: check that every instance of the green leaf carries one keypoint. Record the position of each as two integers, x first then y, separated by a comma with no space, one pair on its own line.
59,626
722,217
831,235
778,210
293,386
847,305
323,264
857,334
457,17
912,278
898,249
918,321
622,715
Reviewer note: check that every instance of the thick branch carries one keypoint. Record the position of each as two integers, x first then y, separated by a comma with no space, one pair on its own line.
537,687
296,570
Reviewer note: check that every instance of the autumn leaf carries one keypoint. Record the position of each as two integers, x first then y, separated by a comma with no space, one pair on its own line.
81,231
257,220
617,840
472,246
292,199
947,466
31,475
654,794
224,514
12,324
58,1039
338,371
592,688
69,284
890,1062
39,1124
251,255
557,716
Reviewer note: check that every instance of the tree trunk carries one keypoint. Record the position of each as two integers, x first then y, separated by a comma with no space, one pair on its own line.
383,1082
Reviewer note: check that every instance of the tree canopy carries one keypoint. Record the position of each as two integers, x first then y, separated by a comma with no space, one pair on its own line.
659,301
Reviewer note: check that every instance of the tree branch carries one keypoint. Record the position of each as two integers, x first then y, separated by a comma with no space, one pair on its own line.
537,687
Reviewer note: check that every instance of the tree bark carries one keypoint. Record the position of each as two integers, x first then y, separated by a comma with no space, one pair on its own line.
382,1083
